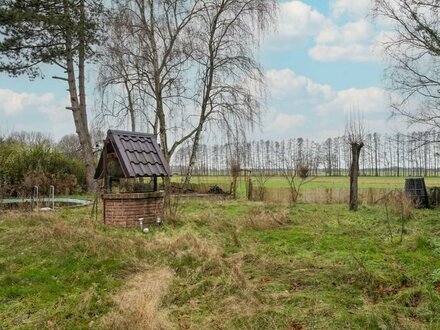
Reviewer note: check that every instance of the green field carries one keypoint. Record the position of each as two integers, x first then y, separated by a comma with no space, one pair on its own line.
222,265
318,182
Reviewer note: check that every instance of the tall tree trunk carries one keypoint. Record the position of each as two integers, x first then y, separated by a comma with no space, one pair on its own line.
192,159
78,104
354,174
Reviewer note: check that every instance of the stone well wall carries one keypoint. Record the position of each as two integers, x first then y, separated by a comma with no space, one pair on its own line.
124,210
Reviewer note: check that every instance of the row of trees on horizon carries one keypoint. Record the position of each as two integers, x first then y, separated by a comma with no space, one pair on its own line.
414,154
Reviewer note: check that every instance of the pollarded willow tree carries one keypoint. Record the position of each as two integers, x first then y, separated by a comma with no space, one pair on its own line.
355,137
193,62
414,50
53,32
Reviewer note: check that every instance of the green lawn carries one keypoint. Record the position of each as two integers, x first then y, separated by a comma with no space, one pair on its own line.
222,265
319,182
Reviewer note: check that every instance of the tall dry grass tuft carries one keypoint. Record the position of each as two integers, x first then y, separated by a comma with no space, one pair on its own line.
138,303
257,218
186,243
78,238
263,219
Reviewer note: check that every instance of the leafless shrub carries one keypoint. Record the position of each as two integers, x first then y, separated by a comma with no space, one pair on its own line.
173,209
64,183
261,178
291,173
397,204
400,204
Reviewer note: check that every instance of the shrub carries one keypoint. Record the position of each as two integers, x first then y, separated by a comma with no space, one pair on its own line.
23,166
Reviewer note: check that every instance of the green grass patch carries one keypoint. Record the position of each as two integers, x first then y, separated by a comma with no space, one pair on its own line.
228,265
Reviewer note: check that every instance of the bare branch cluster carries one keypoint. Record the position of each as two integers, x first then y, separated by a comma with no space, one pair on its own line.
413,49
185,67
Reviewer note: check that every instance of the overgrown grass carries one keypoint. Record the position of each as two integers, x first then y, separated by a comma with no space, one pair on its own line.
222,265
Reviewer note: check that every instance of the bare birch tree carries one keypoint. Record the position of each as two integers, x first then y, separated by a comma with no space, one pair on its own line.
153,57
229,75
193,61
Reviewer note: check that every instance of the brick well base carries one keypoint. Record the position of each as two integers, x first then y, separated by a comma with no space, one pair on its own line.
124,210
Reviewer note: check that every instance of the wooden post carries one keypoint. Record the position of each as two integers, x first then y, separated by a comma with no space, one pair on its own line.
250,189
155,183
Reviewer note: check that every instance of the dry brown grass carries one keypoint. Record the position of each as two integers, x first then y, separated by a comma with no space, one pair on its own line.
257,218
186,243
263,219
47,229
138,303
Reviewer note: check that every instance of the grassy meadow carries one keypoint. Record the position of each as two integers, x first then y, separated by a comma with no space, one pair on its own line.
223,265
317,182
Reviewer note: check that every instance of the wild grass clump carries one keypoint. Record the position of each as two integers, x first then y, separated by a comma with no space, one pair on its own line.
259,217
138,302
184,244
263,219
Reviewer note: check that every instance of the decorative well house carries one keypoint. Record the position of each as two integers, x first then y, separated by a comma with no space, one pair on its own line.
129,166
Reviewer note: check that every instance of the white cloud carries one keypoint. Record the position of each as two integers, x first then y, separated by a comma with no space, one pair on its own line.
35,112
351,8
298,19
291,89
285,83
353,41
302,105
285,123
366,100
352,53
12,102
350,32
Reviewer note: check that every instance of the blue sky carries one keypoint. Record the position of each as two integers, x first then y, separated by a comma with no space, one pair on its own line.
322,62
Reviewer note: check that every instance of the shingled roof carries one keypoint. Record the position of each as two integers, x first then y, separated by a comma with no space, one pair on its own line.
138,154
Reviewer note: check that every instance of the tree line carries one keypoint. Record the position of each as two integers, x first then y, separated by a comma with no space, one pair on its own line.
413,154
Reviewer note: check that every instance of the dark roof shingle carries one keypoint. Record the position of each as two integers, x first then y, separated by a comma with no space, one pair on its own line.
138,154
